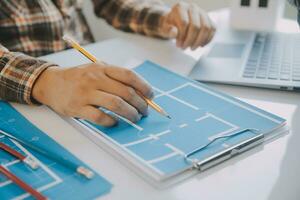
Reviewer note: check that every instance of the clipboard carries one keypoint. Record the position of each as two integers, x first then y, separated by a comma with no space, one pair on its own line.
208,127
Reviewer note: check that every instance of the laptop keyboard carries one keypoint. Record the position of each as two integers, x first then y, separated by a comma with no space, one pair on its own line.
275,57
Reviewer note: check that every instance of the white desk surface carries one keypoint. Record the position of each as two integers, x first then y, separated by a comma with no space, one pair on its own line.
272,172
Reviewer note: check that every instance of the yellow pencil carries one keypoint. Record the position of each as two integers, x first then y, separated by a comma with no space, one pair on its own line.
84,52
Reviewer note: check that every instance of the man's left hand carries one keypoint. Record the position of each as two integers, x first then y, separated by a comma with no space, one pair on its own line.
189,24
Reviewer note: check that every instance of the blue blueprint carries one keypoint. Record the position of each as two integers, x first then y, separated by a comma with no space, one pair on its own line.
199,114
52,179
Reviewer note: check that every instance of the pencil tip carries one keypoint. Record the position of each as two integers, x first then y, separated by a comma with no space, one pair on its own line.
168,116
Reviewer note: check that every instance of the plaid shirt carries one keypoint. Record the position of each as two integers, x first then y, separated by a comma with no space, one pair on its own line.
31,28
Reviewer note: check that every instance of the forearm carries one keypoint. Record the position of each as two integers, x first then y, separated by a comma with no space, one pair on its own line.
140,16
18,76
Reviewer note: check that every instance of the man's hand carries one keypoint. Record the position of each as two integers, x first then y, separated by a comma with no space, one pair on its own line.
78,91
189,24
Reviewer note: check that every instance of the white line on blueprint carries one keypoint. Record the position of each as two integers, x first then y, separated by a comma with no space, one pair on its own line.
11,163
5,183
45,168
131,123
45,187
222,120
235,103
175,149
178,88
170,91
177,99
163,133
137,142
7,165
183,102
54,176
122,146
167,156
216,118
175,152
182,125
202,118
234,127
151,137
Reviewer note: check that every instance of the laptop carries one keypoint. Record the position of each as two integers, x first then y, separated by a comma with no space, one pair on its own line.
268,60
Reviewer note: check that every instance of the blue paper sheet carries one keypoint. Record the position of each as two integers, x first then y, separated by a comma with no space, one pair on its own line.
52,179
199,114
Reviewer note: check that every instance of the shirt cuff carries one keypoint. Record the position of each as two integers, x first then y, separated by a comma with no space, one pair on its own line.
18,75
150,23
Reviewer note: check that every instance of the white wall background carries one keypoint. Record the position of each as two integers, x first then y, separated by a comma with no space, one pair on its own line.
102,31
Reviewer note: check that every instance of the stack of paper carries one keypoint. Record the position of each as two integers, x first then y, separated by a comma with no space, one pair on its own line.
158,147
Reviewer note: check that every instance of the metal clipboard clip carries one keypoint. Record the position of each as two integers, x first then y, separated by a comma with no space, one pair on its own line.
226,153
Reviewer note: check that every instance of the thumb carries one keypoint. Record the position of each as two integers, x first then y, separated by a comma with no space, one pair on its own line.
169,31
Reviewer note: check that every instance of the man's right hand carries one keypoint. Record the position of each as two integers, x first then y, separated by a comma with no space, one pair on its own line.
78,91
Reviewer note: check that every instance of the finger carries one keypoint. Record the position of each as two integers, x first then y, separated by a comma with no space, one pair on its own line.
194,27
213,30
211,36
130,78
96,116
115,104
182,22
204,32
127,93
208,26
169,31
